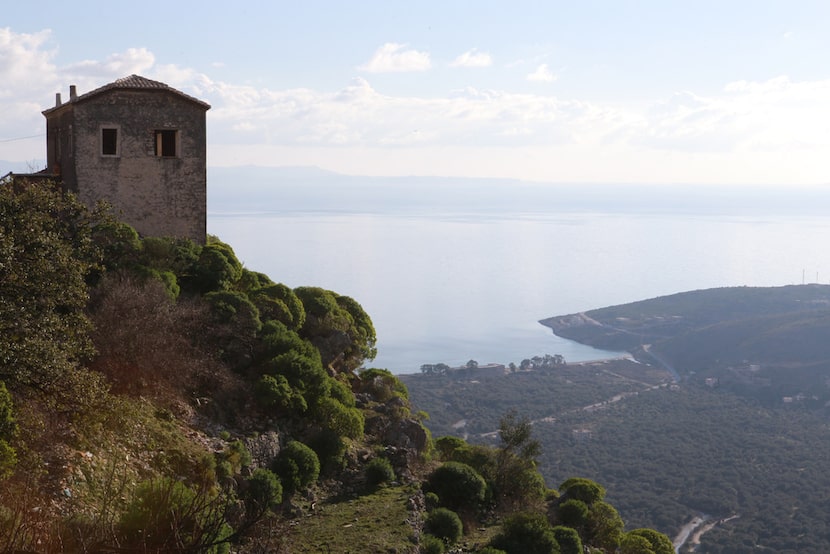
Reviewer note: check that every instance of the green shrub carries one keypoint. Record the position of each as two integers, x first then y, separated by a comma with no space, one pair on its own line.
659,543
445,524
298,466
582,489
165,516
378,472
264,492
573,513
526,533
568,539
447,446
432,500
458,486
217,268
331,449
342,419
274,391
432,545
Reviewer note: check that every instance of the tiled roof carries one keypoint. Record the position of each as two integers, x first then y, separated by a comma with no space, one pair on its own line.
133,82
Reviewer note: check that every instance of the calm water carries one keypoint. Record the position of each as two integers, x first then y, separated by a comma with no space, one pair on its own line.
445,282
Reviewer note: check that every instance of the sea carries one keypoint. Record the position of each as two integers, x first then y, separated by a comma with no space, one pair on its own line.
452,270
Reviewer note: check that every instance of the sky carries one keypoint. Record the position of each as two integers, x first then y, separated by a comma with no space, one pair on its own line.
613,91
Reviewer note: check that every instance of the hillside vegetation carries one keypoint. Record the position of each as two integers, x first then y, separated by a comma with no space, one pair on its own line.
157,396
720,420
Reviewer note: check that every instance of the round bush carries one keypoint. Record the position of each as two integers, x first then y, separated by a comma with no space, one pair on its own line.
432,545
378,472
457,485
297,466
445,524
526,533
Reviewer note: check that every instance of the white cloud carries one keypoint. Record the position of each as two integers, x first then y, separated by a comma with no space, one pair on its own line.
131,61
393,57
542,74
750,131
472,58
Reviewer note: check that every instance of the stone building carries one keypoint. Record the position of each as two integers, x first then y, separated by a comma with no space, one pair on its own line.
138,144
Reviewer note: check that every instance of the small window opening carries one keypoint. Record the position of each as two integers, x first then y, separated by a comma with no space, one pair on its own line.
109,142
166,143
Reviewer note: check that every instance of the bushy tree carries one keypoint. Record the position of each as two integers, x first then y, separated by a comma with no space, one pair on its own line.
431,544
658,542
573,513
46,255
568,540
582,489
444,524
165,515
379,471
339,328
216,269
605,526
458,486
344,420
448,446
526,533
279,303
382,384
298,466
8,428
263,493
303,373
517,482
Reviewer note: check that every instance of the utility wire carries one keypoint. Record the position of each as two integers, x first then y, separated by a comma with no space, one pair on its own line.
23,138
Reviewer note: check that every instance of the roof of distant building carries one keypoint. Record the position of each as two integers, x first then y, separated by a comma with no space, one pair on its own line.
132,82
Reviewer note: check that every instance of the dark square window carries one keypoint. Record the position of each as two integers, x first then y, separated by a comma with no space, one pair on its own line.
109,142
166,143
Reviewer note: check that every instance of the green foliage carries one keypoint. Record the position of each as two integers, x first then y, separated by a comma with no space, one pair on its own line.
278,302
304,374
515,434
235,309
263,493
526,533
458,485
448,446
119,243
582,489
252,280
432,545
382,384
605,526
378,472
658,542
275,392
341,392
237,455
297,466
444,524
46,254
331,449
338,327
8,429
573,513
166,515
344,420
217,268
568,540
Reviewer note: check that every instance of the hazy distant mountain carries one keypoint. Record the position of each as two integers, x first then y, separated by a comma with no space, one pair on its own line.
303,189
21,167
